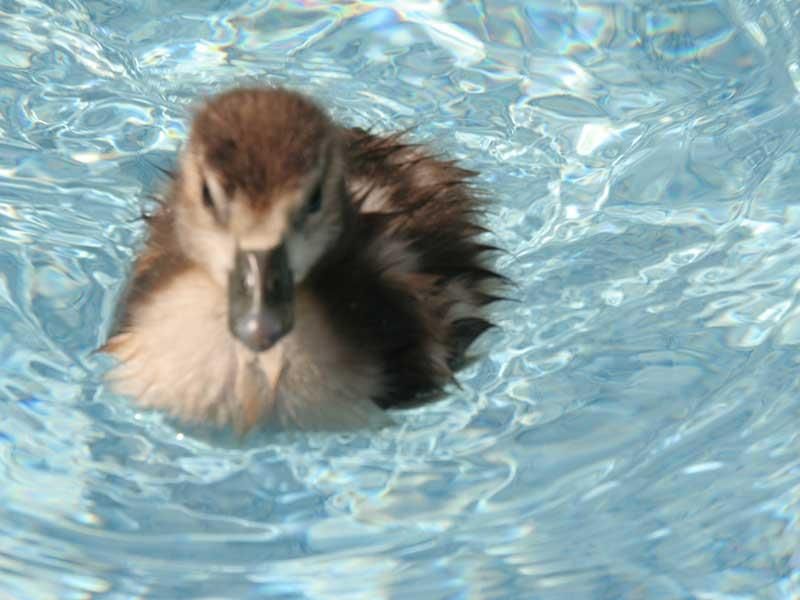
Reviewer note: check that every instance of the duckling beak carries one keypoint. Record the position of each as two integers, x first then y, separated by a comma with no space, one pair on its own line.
261,297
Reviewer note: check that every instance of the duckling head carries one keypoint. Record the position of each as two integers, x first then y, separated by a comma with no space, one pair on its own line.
259,200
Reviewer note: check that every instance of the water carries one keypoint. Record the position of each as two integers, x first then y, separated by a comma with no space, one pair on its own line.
632,430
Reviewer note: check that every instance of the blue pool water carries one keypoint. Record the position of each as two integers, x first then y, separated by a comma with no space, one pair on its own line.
633,429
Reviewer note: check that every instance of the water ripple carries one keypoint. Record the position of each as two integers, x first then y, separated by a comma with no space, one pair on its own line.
630,430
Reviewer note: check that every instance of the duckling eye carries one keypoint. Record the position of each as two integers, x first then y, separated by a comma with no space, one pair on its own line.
315,200
208,201
312,205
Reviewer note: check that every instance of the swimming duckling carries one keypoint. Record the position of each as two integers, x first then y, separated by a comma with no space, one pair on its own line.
301,273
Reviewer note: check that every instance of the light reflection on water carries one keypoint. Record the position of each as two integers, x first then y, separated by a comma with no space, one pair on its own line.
631,431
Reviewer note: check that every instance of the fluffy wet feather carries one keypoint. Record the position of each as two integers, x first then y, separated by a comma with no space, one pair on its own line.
301,273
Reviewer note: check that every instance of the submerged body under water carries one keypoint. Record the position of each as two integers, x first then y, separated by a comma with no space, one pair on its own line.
630,429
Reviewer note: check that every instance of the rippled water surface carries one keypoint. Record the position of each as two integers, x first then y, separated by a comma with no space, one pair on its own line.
632,430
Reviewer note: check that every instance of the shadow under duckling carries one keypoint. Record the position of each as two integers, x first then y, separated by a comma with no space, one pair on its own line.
301,273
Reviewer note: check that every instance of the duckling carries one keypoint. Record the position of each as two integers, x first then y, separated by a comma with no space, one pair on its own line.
301,273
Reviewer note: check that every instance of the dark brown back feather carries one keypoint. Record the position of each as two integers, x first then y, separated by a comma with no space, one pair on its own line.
397,318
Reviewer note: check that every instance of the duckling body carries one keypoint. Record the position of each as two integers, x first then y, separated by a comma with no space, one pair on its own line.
301,273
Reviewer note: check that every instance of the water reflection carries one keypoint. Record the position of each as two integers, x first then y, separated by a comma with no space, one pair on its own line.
631,427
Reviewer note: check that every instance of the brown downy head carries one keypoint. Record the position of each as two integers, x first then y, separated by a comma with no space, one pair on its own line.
260,199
